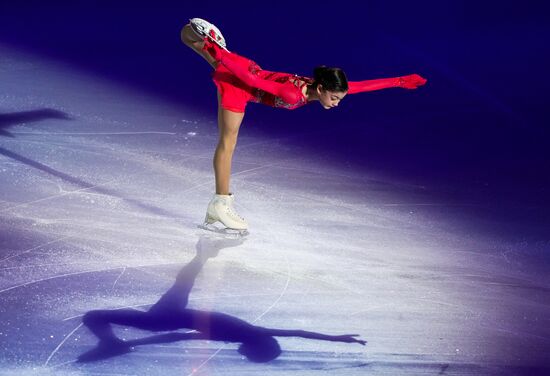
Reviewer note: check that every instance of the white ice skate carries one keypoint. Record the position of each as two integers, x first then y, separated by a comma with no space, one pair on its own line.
204,29
220,209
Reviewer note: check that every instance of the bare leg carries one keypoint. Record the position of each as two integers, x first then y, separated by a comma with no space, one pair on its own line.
192,40
229,123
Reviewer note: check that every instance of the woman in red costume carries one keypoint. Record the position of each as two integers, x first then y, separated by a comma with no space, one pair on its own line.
240,80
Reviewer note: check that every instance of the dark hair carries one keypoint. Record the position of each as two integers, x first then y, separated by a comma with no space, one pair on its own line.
331,79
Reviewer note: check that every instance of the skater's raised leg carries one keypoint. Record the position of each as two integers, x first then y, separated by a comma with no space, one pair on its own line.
196,43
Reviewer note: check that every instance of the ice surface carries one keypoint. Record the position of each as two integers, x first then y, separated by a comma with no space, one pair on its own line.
102,189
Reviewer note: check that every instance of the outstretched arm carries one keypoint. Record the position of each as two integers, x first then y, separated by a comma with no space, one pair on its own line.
287,92
411,81
348,338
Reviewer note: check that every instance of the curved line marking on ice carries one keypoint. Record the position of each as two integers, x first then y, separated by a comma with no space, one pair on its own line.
76,273
58,195
120,275
33,248
61,343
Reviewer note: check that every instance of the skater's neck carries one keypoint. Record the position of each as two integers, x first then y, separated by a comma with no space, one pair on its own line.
310,93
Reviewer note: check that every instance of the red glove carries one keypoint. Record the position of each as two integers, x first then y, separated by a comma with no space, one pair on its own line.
412,81
213,49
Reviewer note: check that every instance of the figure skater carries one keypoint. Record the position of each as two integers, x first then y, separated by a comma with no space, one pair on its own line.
240,80
170,313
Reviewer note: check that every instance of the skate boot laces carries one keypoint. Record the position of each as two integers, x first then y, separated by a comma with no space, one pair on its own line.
229,210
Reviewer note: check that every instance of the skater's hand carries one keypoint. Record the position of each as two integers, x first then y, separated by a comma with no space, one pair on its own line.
411,81
213,49
350,338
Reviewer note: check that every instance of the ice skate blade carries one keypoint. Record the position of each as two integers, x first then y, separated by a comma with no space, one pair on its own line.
201,33
223,231
217,43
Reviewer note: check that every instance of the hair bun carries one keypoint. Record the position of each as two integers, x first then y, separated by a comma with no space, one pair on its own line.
332,79
319,71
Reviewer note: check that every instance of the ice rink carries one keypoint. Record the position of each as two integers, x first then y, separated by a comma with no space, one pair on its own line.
103,187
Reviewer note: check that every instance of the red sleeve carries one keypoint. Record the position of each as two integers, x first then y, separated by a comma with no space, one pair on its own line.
370,85
411,81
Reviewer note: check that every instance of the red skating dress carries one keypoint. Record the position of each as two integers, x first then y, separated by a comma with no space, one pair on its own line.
241,80
239,86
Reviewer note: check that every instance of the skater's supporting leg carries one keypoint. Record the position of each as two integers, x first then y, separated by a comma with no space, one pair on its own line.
229,123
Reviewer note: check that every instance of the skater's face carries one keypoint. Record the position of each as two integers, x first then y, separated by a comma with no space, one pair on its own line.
330,99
